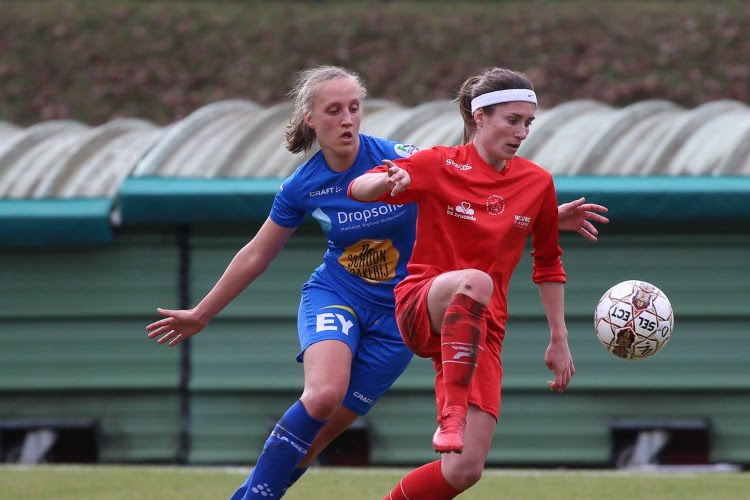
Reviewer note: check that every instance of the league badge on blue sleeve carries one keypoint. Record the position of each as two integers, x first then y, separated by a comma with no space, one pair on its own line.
405,150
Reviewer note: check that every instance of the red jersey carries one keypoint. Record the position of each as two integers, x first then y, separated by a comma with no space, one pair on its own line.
472,216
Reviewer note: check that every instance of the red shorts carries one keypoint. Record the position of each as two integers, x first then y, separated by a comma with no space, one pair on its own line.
414,323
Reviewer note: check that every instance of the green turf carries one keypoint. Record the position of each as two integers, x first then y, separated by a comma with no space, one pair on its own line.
191,483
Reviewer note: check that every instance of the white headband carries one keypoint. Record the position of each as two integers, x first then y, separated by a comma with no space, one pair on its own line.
499,96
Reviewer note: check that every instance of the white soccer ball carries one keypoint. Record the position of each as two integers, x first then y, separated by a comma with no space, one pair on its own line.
633,319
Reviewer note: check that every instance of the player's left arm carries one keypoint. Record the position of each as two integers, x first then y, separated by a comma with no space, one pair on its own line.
549,275
580,217
557,356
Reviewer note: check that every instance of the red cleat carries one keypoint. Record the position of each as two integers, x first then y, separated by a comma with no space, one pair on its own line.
449,436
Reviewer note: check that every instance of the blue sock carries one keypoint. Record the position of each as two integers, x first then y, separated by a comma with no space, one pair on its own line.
284,448
298,472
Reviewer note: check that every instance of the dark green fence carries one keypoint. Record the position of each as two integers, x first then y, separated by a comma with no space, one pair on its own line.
73,346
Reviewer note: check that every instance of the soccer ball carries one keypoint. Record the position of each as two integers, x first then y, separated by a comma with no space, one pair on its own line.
633,319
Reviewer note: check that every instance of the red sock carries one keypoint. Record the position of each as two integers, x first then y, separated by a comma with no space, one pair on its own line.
424,483
463,332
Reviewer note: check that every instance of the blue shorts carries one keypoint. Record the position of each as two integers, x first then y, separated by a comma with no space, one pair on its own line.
379,354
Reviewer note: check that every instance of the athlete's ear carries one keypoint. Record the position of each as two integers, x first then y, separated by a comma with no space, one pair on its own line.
308,120
479,117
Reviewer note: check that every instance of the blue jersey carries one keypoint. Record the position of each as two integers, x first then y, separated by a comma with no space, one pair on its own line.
369,244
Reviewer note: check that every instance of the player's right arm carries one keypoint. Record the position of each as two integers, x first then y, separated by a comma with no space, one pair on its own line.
373,185
249,263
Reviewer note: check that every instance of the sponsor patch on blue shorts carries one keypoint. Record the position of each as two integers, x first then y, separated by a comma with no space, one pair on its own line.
379,355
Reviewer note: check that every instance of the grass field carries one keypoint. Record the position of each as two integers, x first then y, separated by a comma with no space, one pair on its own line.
192,483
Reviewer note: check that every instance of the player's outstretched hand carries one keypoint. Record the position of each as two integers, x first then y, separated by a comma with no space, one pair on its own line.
398,178
559,360
176,326
580,216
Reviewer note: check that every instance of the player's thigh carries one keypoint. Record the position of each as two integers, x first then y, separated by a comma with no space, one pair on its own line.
329,332
327,368
445,286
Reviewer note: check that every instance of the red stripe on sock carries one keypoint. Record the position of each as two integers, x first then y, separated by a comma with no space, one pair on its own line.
463,332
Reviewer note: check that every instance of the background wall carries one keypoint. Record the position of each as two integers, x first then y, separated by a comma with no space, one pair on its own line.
74,346
89,89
